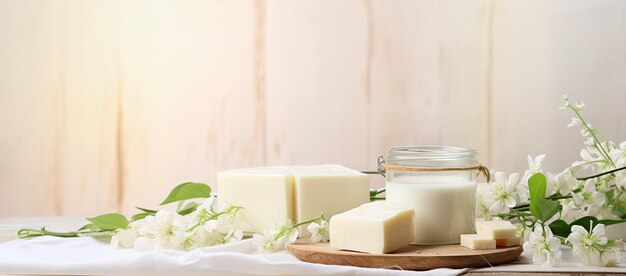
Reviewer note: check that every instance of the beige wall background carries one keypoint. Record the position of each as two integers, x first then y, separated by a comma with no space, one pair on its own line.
106,105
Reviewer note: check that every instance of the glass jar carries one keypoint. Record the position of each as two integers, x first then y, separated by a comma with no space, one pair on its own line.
439,182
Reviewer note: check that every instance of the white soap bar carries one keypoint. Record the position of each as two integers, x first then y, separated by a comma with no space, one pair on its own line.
298,193
475,241
331,189
496,229
508,242
265,193
378,227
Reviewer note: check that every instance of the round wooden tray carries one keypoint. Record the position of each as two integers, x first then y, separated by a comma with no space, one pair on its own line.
410,257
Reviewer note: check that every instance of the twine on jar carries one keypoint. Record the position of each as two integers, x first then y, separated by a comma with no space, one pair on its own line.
383,168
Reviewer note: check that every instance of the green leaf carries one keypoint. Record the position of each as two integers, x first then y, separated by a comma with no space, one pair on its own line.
560,228
548,208
140,216
89,226
111,221
537,186
540,207
190,207
147,210
586,222
188,190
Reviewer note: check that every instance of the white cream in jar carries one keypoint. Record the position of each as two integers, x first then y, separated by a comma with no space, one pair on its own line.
439,183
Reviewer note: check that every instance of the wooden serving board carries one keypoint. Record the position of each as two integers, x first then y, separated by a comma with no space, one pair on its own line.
411,257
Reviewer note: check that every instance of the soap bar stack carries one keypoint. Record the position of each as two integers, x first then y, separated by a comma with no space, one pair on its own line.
293,192
491,234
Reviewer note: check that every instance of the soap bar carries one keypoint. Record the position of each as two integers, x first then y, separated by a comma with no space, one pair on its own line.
297,193
266,195
496,229
377,227
508,242
331,189
475,241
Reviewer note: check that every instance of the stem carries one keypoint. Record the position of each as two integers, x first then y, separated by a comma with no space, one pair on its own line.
29,233
563,240
289,228
601,174
597,142
527,205
233,209
574,169
320,217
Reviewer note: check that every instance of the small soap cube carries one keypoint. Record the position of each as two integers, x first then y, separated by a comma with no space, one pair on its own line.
496,229
377,227
508,242
475,241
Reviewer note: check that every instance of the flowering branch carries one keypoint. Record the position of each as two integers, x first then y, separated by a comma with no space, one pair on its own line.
597,144
286,233
574,206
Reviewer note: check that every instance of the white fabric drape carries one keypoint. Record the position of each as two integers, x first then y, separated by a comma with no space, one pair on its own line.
89,256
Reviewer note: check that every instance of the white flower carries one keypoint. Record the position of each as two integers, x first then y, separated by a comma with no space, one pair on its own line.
503,193
618,155
288,235
169,228
319,232
534,164
588,155
589,142
264,243
523,232
484,201
125,238
566,100
564,181
575,123
276,239
592,248
571,212
589,199
591,158
551,185
544,249
220,232
580,105
208,204
586,131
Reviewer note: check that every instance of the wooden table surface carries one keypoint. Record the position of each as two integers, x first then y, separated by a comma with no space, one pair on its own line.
10,225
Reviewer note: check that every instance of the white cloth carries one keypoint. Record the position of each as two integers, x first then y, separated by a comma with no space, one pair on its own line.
89,256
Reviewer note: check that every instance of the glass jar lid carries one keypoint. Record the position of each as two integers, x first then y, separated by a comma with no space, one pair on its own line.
431,156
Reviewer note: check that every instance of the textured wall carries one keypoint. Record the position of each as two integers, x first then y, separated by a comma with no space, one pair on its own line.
106,105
